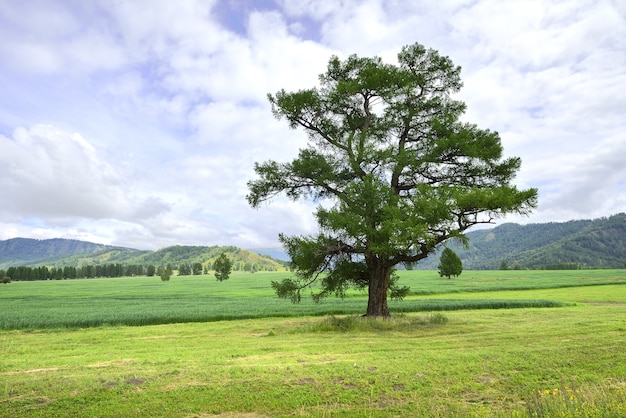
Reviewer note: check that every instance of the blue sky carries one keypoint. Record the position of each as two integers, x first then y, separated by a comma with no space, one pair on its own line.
137,123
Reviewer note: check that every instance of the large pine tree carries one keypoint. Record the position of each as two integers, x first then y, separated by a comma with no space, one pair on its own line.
400,173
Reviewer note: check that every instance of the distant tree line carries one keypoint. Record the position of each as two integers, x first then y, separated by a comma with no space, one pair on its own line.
25,273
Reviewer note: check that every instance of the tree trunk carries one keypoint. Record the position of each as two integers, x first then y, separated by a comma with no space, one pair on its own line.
377,290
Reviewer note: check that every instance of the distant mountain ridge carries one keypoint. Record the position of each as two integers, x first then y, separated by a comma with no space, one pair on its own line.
598,243
59,252
28,251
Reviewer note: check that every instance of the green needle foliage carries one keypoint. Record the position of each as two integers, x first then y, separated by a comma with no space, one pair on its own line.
223,267
449,264
400,173
165,273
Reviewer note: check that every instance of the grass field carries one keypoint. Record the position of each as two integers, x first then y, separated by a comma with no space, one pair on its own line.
565,361
149,301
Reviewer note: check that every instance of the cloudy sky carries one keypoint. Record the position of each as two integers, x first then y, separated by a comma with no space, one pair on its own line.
138,122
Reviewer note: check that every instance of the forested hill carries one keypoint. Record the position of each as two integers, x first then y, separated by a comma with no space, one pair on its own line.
64,252
598,243
29,252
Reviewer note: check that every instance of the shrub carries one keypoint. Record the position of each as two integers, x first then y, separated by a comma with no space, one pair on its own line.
438,319
165,274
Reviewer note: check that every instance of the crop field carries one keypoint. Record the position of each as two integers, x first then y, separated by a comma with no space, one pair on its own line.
490,343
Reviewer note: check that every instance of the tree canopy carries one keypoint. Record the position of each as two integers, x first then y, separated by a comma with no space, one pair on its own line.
449,264
397,172
223,267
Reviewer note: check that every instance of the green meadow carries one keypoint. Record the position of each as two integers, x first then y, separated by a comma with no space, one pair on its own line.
490,343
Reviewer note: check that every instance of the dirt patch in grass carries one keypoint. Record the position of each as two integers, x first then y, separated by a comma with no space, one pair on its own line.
306,381
345,384
136,381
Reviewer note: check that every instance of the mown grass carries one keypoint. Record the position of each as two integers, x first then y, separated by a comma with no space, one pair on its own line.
523,362
149,301
472,363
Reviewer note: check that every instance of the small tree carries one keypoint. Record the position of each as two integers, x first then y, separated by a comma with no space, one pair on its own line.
223,266
151,270
449,264
184,269
165,273
196,269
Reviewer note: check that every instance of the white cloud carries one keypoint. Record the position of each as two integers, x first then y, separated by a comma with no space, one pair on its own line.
48,172
143,121
592,183
44,37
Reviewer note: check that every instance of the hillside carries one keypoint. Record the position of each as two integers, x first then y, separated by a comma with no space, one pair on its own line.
63,252
31,252
599,243
175,255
